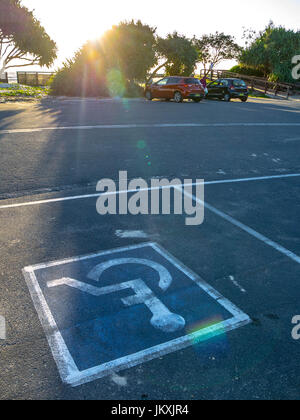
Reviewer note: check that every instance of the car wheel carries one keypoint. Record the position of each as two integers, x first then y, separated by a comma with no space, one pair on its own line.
178,97
227,97
149,95
244,99
197,100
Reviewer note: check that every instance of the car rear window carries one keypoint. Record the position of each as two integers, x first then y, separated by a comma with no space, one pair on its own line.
173,80
239,83
191,81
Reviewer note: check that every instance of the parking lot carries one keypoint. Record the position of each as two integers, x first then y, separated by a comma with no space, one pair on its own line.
232,282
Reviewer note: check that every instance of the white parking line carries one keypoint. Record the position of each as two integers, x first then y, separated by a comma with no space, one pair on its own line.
128,126
96,195
246,228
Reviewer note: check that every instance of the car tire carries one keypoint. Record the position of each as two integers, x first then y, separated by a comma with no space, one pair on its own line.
227,97
148,95
178,97
244,99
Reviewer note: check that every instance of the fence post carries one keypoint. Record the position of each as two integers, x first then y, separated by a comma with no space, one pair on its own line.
288,93
266,87
36,78
5,78
293,90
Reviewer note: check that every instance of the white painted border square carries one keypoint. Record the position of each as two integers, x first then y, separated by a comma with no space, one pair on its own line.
67,368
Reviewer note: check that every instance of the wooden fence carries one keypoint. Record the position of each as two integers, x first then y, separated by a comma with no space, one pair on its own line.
257,83
33,78
5,79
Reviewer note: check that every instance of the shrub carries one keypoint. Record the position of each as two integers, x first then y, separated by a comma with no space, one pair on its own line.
134,90
77,78
87,76
69,82
110,66
247,71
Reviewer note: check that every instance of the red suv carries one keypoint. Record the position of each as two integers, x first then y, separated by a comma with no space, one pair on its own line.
177,88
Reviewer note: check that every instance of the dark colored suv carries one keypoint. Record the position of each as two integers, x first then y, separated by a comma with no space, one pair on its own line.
177,88
227,89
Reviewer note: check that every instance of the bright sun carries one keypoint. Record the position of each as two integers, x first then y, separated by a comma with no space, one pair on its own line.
72,23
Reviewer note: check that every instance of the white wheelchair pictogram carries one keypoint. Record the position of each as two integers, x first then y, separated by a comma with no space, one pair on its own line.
162,318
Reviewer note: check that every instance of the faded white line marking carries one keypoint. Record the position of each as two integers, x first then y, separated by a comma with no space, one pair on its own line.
60,352
131,234
247,229
2,328
96,195
128,126
233,281
119,380
292,139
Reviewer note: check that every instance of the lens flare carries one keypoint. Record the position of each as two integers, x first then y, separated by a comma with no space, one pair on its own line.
147,157
126,104
206,329
116,83
141,144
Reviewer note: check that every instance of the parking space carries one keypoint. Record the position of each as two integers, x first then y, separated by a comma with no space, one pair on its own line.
106,329
139,307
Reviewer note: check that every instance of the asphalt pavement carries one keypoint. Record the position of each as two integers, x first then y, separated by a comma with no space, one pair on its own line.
53,153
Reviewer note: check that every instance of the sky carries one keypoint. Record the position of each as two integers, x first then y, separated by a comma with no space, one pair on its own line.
72,22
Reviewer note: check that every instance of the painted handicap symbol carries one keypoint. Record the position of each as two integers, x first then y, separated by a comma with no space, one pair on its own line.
162,318
93,337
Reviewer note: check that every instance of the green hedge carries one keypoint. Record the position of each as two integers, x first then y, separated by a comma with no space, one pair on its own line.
247,71
88,81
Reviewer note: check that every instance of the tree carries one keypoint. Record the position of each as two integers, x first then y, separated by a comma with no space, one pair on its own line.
214,48
272,51
176,54
130,48
110,66
23,38
118,62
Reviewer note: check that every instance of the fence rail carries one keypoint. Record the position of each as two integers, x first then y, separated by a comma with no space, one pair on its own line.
257,83
5,79
33,78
